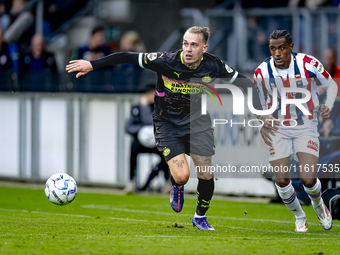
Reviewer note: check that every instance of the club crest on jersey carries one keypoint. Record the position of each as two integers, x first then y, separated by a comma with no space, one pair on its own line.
271,151
152,56
206,79
228,68
166,152
298,79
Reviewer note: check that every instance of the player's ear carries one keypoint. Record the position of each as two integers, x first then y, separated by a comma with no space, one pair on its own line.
291,46
205,47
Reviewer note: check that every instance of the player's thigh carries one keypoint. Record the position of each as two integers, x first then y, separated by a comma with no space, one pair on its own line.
179,168
308,168
306,143
281,171
201,143
202,166
202,147
281,148
173,151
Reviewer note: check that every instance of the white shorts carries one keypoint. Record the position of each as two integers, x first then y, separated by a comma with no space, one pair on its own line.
290,140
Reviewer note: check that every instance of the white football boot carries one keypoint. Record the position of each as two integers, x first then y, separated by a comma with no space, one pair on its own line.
324,216
301,225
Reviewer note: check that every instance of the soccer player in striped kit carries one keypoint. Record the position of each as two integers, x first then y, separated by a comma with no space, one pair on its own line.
297,135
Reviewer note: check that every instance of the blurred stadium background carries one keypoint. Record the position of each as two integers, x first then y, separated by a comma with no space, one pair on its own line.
51,122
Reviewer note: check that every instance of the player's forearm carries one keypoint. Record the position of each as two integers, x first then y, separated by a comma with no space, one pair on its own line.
332,91
115,59
245,83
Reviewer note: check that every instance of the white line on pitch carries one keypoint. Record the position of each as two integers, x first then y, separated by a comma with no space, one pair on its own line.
137,220
107,207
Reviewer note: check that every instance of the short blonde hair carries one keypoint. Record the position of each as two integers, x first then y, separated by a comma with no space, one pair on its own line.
204,31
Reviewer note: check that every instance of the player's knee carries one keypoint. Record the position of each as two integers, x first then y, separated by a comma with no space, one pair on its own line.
308,182
182,178
282,182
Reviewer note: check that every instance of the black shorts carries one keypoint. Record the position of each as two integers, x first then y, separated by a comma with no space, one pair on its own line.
173,140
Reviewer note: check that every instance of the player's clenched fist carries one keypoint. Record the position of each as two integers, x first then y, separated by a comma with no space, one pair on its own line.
325,112
81,66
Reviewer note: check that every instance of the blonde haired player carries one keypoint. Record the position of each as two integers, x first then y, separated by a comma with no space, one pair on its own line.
180,128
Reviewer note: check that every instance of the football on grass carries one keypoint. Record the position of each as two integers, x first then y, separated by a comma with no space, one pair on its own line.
61,189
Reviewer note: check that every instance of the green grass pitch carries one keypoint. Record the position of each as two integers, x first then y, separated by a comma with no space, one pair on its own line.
145,224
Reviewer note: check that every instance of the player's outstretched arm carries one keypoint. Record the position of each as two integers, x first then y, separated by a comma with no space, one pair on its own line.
81,66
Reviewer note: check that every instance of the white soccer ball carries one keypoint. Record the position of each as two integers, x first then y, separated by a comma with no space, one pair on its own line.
146,137
61,189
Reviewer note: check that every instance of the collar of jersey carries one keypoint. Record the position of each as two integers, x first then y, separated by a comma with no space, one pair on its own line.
183,60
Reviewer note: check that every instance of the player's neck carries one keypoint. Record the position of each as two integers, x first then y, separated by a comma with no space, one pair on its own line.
193,65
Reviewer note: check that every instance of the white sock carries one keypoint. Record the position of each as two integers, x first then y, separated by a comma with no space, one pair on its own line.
288,196
198,216
314,193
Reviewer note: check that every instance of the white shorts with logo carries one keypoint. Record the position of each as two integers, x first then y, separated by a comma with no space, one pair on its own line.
290,140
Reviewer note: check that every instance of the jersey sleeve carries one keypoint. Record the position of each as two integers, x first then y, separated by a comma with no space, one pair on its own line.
154,61
318,71
228,73
315,67
115,59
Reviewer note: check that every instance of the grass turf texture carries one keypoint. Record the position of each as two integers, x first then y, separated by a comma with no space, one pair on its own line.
142,224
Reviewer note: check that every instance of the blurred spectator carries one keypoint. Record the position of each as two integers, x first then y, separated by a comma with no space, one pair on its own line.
2,7
17,6
5,66
17,24
330,64
57,12
38,69
141,121
131,41
127,77
96,46
310,4
257,42
98,80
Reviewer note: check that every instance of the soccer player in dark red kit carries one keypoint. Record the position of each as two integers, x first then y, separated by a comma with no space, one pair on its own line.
180,128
